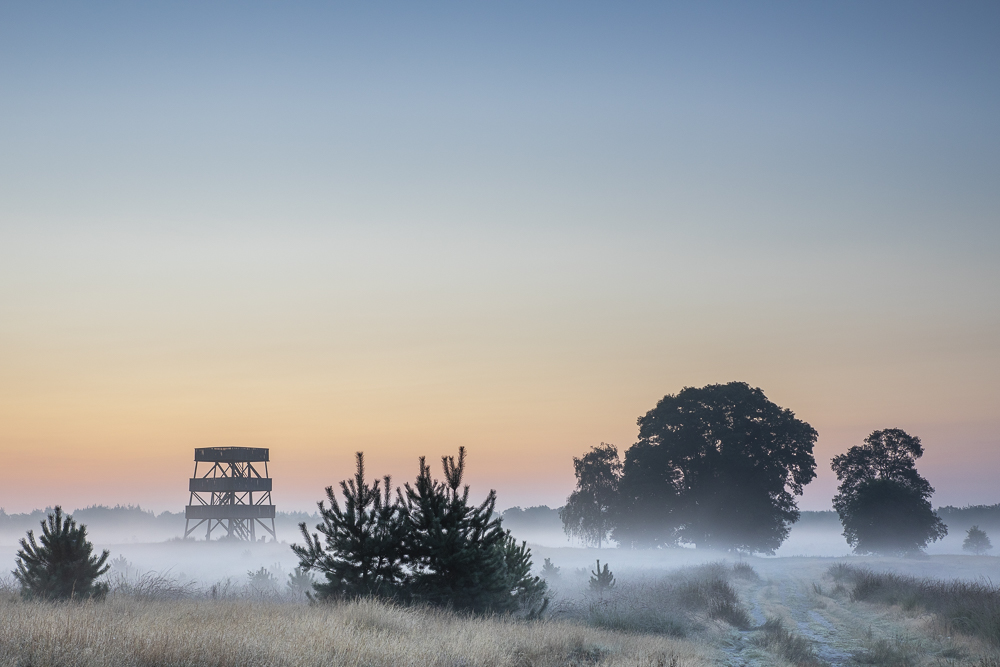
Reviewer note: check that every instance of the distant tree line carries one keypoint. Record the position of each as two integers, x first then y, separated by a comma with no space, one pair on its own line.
427,543
720,466
125,522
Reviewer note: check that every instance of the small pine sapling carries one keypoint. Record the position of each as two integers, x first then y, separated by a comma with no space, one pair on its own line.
549,571
60,565
428,545
300,582
262,581
363,549
459,554
602,581
976,541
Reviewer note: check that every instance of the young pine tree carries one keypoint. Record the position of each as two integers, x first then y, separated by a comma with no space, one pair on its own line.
60,565
300,583
976,541
602,581
550,572
362,554
458,553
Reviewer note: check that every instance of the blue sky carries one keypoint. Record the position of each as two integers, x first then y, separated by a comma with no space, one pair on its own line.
523,220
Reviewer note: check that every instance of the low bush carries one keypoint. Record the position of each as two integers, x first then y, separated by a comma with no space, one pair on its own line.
148,586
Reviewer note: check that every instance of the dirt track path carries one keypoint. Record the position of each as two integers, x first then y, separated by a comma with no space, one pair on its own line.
842,633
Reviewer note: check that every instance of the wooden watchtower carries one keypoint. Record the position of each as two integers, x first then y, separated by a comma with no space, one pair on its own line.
231,493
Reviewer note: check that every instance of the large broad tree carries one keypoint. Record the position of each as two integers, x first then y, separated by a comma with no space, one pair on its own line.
718,467
587,513
883,502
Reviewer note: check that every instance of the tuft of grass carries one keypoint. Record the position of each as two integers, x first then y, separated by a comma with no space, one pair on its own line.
794,648
841,572
710,592
882,652
731,611
745,571
971,608
149,585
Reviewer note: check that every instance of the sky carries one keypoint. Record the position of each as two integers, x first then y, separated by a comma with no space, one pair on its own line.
400,228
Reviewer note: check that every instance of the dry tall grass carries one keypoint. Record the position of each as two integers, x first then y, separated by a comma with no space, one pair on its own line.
125,631
972,608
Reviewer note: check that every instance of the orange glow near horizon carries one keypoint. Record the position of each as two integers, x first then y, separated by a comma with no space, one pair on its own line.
116,427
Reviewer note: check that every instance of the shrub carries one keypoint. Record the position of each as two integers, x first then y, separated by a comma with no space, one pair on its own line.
61,566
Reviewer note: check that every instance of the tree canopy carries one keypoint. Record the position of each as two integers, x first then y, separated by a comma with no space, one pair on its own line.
587,513
883,502
716,466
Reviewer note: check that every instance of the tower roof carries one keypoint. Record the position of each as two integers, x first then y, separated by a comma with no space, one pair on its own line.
230,454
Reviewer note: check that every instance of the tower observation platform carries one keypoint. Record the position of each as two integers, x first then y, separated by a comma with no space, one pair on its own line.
230,494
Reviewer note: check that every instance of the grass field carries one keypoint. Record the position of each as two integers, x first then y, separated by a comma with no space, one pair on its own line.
762,613
246,633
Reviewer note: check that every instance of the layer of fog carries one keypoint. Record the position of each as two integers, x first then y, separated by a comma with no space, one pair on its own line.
151,543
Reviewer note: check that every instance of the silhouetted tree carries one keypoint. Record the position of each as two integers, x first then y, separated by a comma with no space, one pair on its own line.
588,510
883,502
429,544
60,565
976,541
458,553
362,549
718,467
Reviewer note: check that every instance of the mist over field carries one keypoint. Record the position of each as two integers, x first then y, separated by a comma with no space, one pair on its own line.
152,543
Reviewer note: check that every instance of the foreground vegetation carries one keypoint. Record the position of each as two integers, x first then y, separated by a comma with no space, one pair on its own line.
968,607
673,618
246,633
763,613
